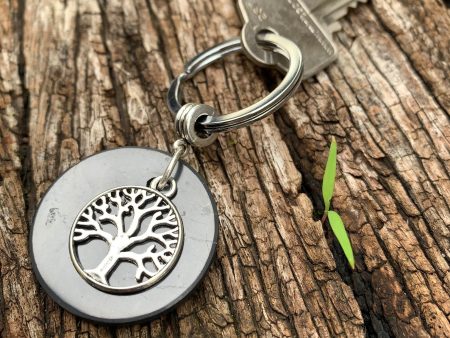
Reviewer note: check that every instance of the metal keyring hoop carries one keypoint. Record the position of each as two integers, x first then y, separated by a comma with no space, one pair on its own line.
214,124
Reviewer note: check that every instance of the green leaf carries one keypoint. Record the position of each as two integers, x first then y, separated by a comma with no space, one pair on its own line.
341,234
329,176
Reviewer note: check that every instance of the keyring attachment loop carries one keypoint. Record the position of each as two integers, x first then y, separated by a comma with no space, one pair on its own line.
166,183
208,123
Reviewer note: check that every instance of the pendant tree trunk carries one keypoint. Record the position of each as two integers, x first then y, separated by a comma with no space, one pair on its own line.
77,77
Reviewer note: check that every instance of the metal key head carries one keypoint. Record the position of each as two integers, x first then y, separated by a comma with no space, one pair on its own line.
293,20
308,23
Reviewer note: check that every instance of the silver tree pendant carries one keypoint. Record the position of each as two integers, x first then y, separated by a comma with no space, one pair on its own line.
140,226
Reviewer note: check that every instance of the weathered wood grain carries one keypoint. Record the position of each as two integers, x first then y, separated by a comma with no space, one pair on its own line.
80,76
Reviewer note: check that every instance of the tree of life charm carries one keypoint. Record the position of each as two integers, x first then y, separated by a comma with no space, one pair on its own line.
140,227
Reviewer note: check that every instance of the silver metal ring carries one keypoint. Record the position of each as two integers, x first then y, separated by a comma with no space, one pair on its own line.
169,190
180,148
186,124
208,125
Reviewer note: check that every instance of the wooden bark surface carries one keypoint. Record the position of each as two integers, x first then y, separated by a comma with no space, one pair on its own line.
77,77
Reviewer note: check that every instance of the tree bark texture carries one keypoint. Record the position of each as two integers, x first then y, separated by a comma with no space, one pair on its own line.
77,77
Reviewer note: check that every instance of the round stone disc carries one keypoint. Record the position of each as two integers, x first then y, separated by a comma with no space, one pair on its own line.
61,205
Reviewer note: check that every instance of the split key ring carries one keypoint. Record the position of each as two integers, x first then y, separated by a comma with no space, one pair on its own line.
199,123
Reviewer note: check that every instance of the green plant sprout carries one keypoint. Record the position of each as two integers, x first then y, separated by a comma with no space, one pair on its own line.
333,217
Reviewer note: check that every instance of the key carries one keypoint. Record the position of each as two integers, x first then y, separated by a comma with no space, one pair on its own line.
330,6
308,23
291,19
333,11
313,5
330,12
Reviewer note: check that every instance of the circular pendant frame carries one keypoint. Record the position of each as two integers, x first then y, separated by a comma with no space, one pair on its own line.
104,285
59,207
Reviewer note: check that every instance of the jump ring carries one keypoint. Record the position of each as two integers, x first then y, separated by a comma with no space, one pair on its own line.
168,192
179,150
186,123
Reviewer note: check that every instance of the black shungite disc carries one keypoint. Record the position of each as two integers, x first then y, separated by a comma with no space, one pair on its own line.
128,166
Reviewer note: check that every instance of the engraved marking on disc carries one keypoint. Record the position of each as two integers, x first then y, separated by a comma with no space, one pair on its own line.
139,232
